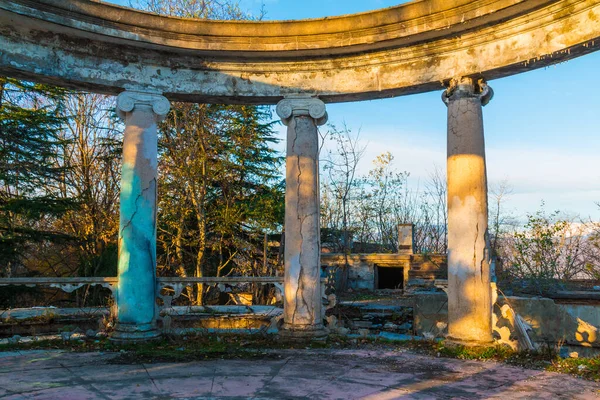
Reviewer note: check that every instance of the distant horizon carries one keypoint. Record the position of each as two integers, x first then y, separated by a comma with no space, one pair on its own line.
542,128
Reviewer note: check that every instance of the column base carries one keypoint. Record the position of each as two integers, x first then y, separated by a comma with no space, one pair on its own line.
134,333
453,341
303,333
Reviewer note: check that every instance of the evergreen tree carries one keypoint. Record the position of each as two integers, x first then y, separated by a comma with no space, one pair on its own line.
219,183
219,188
30,123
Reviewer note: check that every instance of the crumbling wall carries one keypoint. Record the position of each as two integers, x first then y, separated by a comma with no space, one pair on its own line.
431,314
419,270
551,323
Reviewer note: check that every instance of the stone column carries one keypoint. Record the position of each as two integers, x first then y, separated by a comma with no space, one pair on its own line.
136,293
303,316
469,276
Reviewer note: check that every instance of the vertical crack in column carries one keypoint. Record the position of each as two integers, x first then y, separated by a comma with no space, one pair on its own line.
301,114
136,206
475,245
486,256
130,219
468,297
301,296
300,285
137,238
151,253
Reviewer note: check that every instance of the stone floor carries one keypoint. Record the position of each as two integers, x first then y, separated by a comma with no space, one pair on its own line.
293,374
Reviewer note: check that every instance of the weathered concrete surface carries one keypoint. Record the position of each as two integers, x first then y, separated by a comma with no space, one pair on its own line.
406,49
316,374
362,271
223,318
406,238
136,293
302,282
51,312
430,312
41,321
469,276
575,324
418,269
551,323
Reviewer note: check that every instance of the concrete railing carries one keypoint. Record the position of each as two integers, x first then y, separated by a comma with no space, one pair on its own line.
70,284
176,284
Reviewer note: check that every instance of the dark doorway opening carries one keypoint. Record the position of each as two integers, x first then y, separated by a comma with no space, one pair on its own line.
390,278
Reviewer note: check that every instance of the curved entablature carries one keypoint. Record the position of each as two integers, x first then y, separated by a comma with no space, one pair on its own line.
397,26
411,48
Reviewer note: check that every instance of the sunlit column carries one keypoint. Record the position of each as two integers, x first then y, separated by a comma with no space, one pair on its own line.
469,276
302,287
136,294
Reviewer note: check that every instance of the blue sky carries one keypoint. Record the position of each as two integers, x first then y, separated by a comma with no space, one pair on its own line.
542,127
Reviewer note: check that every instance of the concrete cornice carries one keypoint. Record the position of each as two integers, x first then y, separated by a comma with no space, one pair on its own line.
411,48
402,25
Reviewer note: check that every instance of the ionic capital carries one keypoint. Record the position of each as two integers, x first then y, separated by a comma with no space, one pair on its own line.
128,100
302,106
467,87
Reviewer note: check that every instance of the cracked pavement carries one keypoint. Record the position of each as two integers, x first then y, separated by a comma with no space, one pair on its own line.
283,374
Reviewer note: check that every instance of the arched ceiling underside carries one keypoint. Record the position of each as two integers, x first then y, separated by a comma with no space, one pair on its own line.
411,48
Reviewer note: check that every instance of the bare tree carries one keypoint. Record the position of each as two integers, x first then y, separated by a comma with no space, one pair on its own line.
91,156
549,248
500,220
201,9
592,249
196,150
431,220
340,166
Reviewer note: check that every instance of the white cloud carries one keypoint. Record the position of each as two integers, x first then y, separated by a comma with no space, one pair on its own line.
565,180
569,182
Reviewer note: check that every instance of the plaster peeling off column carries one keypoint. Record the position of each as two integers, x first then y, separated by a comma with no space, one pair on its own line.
136,294
302,311
469,275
